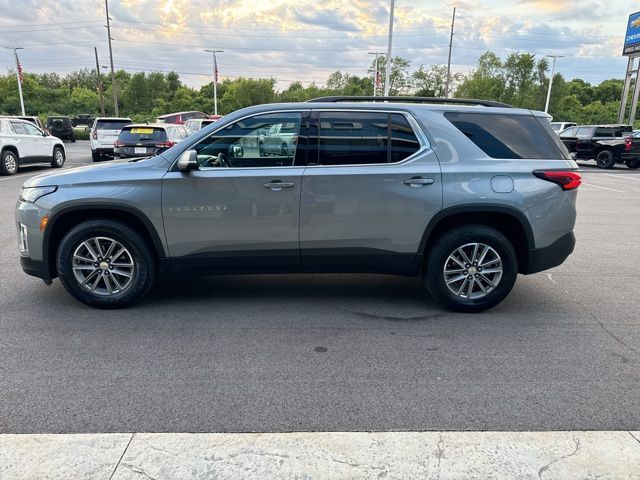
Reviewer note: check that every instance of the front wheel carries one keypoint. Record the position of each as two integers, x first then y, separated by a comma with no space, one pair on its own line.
105,264
58,158
471,268
605,159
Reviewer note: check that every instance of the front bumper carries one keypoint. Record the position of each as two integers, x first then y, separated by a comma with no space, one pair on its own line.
540,259
36,268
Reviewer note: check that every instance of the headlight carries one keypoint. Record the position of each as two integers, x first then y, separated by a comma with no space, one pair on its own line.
31,194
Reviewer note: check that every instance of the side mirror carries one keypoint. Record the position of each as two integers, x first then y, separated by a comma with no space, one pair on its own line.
236,151
188,161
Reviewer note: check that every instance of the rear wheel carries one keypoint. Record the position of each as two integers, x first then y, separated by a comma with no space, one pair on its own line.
633,164
471,268
9,163
95,156
105,264
58,158
605,159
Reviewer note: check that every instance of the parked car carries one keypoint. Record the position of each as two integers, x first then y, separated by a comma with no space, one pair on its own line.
82,119
560,126
196,124
60,126
278,139
180,117
631,154
465,197
142,140
104,132
22,143
602,143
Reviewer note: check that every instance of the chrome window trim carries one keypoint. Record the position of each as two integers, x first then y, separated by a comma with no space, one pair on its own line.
415,127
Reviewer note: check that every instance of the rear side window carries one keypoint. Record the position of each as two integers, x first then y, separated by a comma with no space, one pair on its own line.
169,119
111,124
361,138
18,128
142,134
507,136
604,132
583,132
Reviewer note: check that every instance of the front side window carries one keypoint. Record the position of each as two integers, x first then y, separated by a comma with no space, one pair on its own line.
268,140
584,132
568,133
32,130
363,138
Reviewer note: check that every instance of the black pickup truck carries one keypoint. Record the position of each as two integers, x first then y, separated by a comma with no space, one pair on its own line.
606,144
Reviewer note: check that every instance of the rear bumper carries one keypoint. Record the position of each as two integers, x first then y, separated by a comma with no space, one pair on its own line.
540,259
631,156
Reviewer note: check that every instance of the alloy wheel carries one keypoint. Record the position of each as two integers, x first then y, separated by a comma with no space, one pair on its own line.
10,163
472,271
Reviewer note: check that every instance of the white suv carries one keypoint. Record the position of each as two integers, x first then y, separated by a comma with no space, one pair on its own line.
104,132
21,142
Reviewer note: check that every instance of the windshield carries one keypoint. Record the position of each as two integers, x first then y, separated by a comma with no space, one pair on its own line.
111,124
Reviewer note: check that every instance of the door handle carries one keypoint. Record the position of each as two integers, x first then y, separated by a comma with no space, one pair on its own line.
277,185
418,181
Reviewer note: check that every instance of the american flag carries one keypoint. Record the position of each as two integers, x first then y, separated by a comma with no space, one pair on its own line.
19,69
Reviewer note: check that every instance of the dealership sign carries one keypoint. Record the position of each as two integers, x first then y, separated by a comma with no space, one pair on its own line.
632,38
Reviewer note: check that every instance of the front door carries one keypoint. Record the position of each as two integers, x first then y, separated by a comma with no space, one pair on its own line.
42,147
368,193
240,209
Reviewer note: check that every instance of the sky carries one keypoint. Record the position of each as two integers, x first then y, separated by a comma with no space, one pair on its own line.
306,40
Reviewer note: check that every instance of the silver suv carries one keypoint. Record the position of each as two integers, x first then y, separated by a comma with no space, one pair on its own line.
464,194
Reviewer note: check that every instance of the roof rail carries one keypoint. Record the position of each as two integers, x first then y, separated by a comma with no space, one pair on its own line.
440,100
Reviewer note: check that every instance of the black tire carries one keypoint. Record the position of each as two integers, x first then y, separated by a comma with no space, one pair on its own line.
446,244
73,138
9,163
95,156
633,164
138,251
58,159
605,159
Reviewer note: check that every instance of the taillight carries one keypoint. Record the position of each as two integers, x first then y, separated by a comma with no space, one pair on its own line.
94,134
567,180
628,144
167,144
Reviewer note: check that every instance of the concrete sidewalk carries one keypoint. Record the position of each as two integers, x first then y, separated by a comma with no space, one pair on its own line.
389,455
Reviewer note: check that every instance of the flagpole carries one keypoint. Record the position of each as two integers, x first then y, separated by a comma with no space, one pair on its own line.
18,68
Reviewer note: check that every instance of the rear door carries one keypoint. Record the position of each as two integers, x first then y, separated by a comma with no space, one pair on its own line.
370,188
239,210
569,138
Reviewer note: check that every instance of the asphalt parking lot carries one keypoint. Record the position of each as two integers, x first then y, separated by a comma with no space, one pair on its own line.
333,352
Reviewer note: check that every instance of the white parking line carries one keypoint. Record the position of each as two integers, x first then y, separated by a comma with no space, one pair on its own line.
603,188
625,176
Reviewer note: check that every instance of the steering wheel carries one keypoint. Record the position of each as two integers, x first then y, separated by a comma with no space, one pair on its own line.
216,161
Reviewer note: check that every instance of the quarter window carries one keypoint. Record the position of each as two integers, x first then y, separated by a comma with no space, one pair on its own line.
18,128
361,138
269,140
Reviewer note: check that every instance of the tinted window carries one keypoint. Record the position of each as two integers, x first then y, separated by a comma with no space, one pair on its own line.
604,132
269,140
169,119
403,141
142,135
507,136
18,128
111,124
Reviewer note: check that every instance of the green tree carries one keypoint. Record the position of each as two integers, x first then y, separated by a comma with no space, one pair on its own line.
245,92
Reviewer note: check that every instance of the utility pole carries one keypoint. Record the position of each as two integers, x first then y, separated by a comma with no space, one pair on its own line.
387,76
446,88
18,75
215,79
375,72
113,73
99,78
553,72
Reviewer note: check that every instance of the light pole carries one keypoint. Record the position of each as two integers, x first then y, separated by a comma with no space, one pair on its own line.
113,73
99,79
375,72
18,75
387,73
446,89
215,78
553,72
